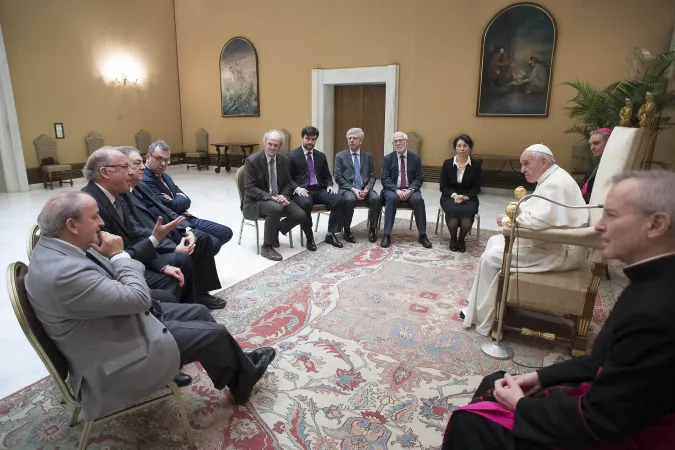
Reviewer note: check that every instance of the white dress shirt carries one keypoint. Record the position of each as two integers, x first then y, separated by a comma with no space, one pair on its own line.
460,171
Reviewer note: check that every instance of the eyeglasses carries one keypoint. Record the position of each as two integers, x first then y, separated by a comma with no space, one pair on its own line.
161,160
123,166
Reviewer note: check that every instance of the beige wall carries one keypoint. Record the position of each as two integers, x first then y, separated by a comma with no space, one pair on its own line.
437,44
55,51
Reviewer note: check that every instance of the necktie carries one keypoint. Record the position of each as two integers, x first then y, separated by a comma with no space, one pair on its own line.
404,181
118,207
310,164
358,182
166,185
274,187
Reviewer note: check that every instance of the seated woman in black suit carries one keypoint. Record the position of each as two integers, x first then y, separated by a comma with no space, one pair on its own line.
460,185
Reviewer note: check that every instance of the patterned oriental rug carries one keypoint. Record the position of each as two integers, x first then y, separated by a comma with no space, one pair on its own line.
371,354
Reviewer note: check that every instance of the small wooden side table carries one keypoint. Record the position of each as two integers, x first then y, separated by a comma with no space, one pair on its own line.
225,148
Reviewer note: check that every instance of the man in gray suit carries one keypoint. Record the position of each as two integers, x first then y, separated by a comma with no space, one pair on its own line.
357,185
94,303
267,184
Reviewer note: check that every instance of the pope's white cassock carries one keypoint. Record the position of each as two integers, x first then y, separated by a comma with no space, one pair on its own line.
530,256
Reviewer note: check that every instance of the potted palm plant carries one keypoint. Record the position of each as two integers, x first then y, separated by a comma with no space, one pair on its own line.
595,108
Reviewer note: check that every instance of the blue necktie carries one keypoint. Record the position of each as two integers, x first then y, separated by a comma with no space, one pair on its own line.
358,182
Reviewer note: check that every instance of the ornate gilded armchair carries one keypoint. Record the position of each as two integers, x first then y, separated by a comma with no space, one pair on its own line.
50,167
143,141
201,153
570,296
94,141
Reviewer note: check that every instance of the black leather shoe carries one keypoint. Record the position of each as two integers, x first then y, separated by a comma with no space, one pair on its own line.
212,302
453,245
372,235
311,245
461,315
270,254
424,240
261,353
242,392
333,240
386,241
348,236
182,379
461,246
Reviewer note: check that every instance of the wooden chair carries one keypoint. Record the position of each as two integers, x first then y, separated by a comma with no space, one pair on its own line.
571,294
57,366
201,152
286,146
33,238
143,141
318,209
239,181
94,141
49,162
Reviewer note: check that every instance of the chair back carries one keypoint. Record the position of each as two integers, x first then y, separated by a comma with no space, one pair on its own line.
201,140
414,143
46,150
33,238
239,181
619,156
94,141
286,146
143,141
50,355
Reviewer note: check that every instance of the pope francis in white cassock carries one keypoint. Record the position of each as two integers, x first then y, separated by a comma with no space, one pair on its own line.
553,182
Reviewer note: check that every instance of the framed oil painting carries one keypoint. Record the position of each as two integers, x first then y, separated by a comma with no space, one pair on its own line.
517,62
239,79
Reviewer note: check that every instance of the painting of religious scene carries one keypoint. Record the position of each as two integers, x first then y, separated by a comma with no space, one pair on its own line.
239,79
517,59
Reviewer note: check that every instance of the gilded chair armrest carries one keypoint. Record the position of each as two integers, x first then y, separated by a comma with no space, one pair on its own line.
583,237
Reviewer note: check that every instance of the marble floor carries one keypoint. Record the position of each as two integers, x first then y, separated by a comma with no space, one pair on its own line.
215,197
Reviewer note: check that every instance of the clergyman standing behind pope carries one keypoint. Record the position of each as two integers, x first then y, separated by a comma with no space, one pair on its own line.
553,182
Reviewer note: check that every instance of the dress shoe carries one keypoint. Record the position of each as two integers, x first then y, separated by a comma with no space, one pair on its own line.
244,386
348,236
424,240
270,254
276,243
212,302
333,240
182,379
311,245
453,245
372,235
461,246
386,241
461,315
261,353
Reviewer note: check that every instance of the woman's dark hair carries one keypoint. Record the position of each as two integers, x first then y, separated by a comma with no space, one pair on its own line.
309,131
462,137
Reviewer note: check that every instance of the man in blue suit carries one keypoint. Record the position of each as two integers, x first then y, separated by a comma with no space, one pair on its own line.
401,182
166,191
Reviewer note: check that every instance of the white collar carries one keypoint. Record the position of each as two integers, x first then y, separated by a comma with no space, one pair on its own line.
107,194
404,154
305,151
547,174
357,151
268,157
74,246
649,259
468,160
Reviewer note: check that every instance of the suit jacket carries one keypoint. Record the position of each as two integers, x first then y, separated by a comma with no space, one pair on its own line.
136,212
97,315
471,181
178,203
136,242
257,185
590,178
344,170
631,367
390,168
297,165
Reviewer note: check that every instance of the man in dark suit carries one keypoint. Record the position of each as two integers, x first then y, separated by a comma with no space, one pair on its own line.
143,211
108,172
267,186
401,182
312,183
355,177
166,191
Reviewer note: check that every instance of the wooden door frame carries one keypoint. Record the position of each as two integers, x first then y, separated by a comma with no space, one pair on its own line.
323,96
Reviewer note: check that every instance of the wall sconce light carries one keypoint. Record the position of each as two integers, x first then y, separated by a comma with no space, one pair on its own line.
124,80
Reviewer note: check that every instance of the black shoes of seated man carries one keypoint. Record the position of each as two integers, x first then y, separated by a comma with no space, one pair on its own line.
386,241
261,358
270,253
182,379
212,302
332,239
311,244
372,235
424,240
348,236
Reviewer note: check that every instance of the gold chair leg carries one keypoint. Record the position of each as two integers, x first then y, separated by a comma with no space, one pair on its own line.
183,414
86,429
302,238
477,227
257,238
438,218
412,214
316,224
76,415
290,237
241,230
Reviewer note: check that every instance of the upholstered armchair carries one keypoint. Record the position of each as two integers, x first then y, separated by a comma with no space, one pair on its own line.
286,146
50,167
143,141
94,141
201,152
570,296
